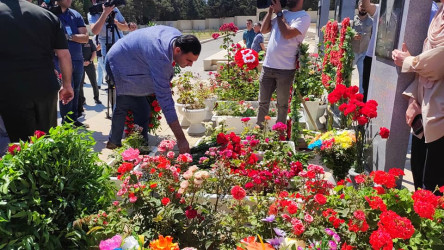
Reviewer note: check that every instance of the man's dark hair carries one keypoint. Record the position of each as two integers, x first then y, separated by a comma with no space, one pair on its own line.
249,20
188,43
257,24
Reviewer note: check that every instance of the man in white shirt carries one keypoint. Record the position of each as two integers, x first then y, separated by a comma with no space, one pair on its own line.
373,12
288,30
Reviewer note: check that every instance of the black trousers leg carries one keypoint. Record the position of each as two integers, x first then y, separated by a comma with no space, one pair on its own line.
91,72
434,166
418,155
366,75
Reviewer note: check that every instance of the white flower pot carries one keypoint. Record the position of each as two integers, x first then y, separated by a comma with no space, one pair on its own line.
179,108
195,117
209,103
316,111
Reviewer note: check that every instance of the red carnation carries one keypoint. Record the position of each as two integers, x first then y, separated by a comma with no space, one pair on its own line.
157,109
39,134
155,103
165,201
215,35
320,198
238,192
384,132
13,149
221,139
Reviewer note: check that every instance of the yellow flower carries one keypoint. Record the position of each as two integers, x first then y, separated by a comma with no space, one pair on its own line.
164,243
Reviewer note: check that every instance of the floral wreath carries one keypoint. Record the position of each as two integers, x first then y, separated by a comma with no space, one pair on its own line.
247,57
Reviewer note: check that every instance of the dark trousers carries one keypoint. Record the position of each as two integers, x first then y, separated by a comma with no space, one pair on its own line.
23,116
77,73
141,109
366,75
433,167
89,70
418,155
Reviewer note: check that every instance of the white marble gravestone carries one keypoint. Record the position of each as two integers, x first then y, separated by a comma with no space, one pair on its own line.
387,84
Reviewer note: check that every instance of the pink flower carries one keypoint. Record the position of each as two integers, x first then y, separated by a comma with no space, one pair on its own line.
279,127
184,158
245,119
308,218
130,154
132,197
111,244
215,35
170,154
115,203
166,145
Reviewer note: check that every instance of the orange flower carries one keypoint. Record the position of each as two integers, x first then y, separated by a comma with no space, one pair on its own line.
164,243
250,243
267,117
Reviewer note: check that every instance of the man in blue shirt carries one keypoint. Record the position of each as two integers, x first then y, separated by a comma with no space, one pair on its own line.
141,64
76,33
249,34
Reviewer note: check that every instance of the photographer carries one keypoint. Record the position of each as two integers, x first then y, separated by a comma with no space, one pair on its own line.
98,24
76,33
288,30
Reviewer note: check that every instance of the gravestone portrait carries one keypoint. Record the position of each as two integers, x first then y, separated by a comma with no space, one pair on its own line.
389,25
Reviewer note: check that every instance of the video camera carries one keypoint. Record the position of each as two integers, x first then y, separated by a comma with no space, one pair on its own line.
97,8
51,6
262,4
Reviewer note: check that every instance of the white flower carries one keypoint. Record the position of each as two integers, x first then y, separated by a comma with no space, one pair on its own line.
130,243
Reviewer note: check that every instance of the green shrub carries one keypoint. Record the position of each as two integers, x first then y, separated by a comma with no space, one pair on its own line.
47,185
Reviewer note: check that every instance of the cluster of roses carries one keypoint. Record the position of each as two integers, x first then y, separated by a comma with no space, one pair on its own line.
281,129
391,226
129,123
314,181
229,27
386,179
351,104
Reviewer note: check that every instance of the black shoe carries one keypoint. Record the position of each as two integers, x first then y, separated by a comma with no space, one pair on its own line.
110,145
97,101
98,87
78,124
105,89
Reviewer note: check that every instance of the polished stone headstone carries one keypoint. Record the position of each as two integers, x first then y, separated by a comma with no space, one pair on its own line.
387,84
323,13
344,8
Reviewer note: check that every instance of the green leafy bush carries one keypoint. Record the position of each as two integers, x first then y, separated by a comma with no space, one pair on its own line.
46,185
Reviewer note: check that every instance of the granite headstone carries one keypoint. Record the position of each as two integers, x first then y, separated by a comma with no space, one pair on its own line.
387,84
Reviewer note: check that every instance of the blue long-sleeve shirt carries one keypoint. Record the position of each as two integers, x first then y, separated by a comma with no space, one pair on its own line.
141,64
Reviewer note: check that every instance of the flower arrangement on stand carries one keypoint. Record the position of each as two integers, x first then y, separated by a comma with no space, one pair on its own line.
358,115
338,58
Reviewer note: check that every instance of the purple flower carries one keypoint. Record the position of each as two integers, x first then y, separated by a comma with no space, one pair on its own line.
279,232
269,218
276,242
332,245
329,231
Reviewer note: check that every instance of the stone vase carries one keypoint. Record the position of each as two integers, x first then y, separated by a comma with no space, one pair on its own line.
209,104
179,108
195,117
316,110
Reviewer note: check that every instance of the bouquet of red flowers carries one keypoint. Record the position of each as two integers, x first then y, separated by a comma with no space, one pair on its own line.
247,57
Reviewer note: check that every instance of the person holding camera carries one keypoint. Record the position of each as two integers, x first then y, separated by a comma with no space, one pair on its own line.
98,20
288,30
141,64
425,112
28,84
76,33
